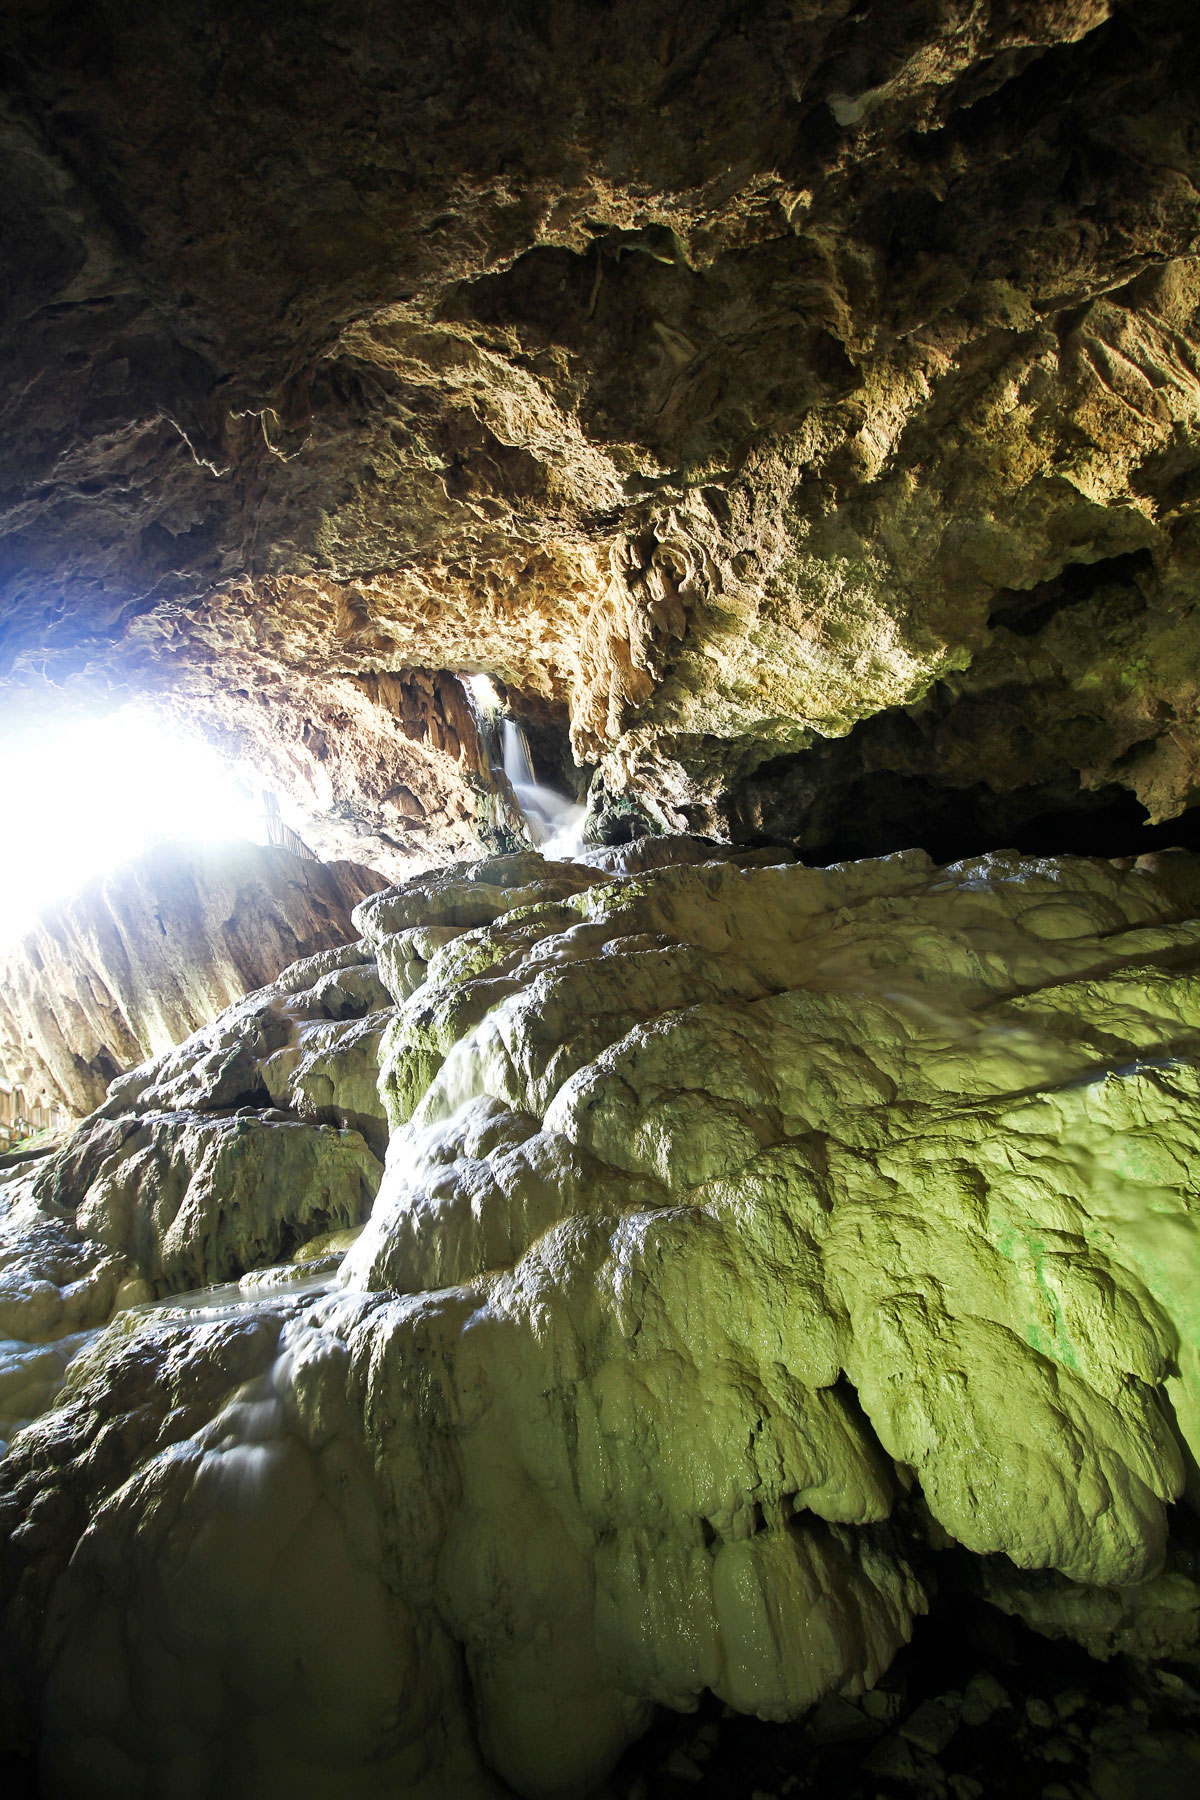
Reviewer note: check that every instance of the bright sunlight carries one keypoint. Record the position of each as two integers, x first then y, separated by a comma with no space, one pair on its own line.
87,796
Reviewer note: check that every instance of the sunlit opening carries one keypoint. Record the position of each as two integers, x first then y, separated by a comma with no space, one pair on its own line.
485,694
84,797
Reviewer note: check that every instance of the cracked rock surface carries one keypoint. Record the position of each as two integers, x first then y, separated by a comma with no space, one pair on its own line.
749,1238
719,379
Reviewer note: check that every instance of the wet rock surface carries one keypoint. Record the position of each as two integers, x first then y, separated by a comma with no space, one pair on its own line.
764,1259
972,1709
248,1144
1032,1721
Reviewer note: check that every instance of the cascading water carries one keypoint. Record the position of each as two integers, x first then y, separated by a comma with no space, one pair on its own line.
555,823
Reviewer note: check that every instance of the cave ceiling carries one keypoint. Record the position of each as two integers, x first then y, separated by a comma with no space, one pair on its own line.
771,395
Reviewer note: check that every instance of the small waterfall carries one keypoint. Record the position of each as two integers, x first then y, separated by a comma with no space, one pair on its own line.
517,765
555,823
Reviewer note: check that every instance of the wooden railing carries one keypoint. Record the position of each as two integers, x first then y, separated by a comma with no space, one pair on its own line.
20,1117
284,838
280,833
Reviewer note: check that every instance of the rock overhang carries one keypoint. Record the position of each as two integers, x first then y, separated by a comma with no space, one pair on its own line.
719,380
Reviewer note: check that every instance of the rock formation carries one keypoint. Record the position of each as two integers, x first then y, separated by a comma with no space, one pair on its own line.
719,380
748,1233
642,1277
142,956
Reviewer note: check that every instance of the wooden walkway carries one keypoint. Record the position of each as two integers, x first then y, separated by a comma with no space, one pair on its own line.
20,1117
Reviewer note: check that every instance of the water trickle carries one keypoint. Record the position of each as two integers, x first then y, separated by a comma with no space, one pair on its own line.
555,823
261,1285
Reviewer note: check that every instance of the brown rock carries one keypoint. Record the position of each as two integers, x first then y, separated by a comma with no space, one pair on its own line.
931,1726
804,403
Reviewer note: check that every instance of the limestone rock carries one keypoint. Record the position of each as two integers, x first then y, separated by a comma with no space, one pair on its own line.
728,1211
1157,1619
252,1142
140,957
720,382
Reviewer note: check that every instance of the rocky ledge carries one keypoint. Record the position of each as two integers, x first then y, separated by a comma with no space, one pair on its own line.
141,956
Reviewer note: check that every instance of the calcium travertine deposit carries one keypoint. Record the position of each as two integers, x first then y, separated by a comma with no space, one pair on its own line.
746,1232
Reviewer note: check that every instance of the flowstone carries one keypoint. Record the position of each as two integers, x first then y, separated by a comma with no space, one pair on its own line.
747,1234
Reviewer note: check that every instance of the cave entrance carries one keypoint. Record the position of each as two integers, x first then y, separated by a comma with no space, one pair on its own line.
97,791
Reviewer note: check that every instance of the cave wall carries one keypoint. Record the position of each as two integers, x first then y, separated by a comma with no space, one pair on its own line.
140,957
738,1240
729,376
793,409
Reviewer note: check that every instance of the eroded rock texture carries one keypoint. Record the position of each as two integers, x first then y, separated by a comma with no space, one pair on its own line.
720,377
142,956
747,1234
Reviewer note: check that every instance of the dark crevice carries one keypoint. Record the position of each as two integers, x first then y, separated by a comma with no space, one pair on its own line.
989,763
880,790
1055,1704
883,813
1027,610
227,1097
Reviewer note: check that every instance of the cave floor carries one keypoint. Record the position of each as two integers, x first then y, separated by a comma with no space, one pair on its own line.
1064,1727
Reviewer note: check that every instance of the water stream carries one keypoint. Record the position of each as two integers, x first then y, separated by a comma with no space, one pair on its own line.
555,822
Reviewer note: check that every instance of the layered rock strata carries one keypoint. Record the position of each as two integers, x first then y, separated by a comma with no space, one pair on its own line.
747,1233
135,961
